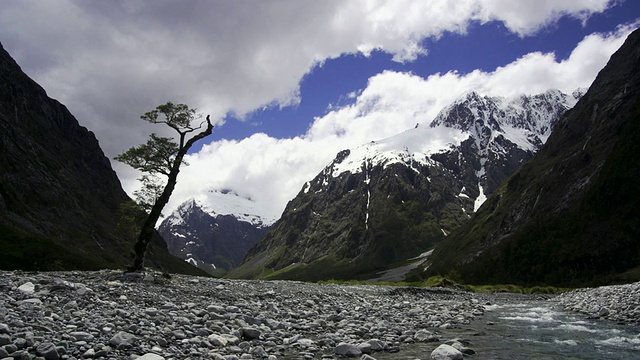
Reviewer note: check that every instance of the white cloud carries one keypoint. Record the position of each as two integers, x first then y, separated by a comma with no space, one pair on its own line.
527,17
111,61
272,171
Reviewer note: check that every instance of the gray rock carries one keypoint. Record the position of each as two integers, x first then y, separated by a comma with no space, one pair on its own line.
103,352
365,347
423,335
446,352
81,336
4,329
377,345
250,333
27,288
179,334
349,350
463,349
151,311
259,352
89,353
21,355
5,339
11,348
48,351
122,337
217,340
150,356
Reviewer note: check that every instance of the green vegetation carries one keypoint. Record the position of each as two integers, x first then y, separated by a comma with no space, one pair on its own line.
439,281
24,251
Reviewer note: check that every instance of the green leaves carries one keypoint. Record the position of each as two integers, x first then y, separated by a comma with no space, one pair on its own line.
177,116
156,156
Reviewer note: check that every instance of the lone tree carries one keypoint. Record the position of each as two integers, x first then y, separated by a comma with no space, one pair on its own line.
161,156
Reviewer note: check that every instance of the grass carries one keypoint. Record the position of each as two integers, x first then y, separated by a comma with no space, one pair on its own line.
440,281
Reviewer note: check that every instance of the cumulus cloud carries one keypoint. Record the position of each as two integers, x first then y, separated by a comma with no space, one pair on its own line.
272,171
111,61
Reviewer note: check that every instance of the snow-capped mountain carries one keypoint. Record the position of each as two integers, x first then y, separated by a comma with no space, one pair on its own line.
569,217
215,230
389,200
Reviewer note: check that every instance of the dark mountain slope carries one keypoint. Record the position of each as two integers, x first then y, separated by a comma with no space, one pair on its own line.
58,193
381,205
210,241
569,216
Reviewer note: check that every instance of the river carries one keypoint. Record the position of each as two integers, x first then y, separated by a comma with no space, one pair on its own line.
537,329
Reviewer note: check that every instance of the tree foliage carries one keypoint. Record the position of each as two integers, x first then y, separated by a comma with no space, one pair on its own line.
155,156
161,156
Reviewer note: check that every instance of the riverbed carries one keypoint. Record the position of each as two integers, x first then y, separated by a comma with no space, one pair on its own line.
536,329
111,315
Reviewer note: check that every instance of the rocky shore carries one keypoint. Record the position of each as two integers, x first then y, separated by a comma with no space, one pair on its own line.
110,315
619,303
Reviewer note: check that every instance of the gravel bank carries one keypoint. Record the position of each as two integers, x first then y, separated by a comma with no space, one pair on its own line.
108,315
619,303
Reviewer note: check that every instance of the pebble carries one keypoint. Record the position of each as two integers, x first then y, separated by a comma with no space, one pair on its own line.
107,314
446,352
618,303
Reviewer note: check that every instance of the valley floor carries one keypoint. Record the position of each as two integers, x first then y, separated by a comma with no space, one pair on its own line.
107,314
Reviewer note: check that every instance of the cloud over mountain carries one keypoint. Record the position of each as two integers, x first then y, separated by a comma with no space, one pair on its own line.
111,62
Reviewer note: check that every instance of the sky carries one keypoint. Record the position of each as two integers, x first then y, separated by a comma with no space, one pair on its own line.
289,83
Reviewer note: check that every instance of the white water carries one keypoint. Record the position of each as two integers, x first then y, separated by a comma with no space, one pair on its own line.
536,330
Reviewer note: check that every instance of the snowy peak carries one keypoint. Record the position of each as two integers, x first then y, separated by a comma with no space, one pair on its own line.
470,110
412,147
492,123
390,200
533,113
214,231
218,202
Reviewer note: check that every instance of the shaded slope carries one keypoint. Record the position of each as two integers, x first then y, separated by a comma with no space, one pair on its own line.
569,216
58,193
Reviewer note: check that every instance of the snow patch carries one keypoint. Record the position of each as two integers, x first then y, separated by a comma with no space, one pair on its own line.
480,199
412,147
216,202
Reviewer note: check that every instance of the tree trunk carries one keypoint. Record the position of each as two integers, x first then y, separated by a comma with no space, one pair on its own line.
149,226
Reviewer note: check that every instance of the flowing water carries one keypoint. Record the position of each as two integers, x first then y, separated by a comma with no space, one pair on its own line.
536,330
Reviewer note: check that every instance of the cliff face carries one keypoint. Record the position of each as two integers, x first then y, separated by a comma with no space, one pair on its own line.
569,216
59,196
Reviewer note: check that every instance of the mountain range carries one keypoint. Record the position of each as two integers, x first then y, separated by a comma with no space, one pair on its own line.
376,206
534,190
